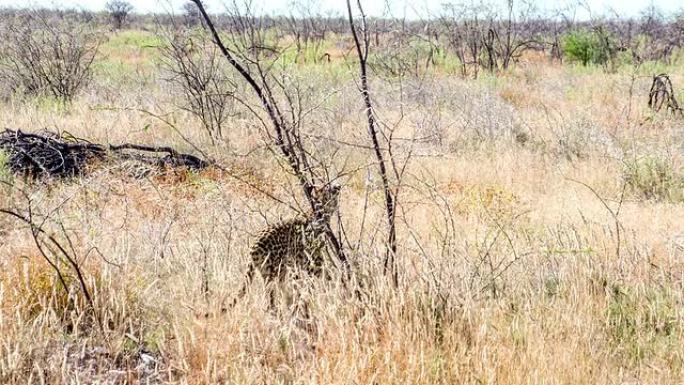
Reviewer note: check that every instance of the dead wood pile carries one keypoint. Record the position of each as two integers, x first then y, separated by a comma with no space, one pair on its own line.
662,94
60,155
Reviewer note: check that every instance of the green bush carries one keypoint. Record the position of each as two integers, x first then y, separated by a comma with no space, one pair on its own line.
654,178
641,322
5,173
586,47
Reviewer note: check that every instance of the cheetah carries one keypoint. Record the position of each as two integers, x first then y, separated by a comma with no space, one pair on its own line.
296,245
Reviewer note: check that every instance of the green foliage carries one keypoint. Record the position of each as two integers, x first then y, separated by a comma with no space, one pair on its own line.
127,53
125,41
411,57
641,323
5,173
447,61
654,178
587,47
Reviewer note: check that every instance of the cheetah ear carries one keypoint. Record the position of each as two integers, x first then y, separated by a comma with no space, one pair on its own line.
310,190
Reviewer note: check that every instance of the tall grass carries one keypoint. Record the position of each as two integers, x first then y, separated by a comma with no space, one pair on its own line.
508,268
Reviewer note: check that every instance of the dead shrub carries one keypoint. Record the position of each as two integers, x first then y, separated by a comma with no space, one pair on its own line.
193,65
662,94
47,55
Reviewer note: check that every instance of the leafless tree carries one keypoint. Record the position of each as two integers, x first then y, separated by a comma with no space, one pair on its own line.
194,66
280,106
118,12
44,54
361,38
481,36
192,15
308,27
657,39
508,35
465,34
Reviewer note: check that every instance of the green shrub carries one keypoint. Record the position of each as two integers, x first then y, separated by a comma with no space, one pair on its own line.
654,178
5,173
641,322
587,47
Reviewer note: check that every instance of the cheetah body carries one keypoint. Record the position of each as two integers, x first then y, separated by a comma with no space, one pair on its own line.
294,245
297,245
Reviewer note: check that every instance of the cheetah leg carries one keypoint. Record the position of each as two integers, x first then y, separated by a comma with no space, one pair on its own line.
272,304
243,290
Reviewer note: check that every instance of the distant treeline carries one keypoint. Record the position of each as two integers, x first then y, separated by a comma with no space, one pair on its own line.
481,39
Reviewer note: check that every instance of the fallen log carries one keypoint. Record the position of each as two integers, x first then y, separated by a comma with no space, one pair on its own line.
59,155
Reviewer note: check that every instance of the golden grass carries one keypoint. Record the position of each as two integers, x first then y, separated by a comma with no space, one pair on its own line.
509,267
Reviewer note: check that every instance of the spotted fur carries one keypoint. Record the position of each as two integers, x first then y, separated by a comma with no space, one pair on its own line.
294,245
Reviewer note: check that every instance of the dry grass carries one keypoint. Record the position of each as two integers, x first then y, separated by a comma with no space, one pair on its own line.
509,267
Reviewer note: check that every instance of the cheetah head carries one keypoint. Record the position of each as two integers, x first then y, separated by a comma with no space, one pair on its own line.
328,197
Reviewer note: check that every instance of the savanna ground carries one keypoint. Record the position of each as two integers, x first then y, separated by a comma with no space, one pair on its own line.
541,237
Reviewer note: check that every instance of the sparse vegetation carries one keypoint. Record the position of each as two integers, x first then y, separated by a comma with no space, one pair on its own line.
654,177
527,227
44,54
195,67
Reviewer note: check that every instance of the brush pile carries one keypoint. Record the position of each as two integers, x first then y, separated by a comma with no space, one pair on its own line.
63,155
662,94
